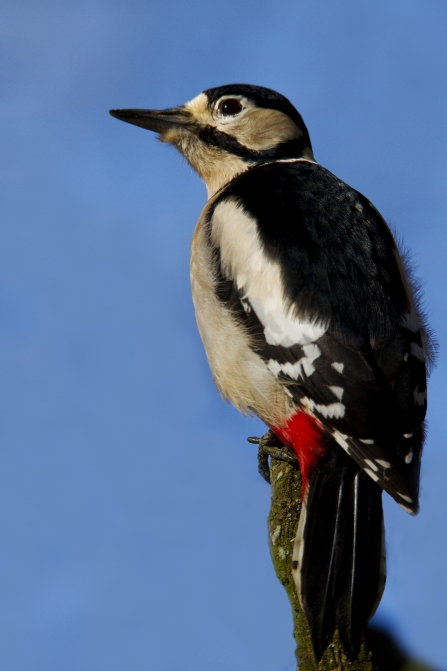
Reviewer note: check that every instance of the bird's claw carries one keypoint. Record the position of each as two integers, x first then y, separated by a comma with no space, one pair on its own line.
268,449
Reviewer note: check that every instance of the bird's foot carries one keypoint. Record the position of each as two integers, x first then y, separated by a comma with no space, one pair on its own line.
270,446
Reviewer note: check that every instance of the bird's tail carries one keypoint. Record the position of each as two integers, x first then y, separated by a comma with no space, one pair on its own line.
338,559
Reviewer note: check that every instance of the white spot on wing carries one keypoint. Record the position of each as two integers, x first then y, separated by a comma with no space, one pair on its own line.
417,351
420,397
383,463
332,410
407,510
338,392
411,321
303,367
367,441
371,464
404,497
338,366
341,440
371,474
409,457
409,435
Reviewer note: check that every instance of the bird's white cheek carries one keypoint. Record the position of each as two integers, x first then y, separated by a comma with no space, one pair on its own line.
261,129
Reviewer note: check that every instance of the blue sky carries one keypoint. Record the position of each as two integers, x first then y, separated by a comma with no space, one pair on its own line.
133,520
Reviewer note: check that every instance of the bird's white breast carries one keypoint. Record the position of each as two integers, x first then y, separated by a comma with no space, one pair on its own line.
239,373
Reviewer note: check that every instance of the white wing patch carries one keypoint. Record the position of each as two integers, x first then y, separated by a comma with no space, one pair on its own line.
420,397
409,457
258,277
302,367
411,321
337,391
371,474
374,464
331,411
405,498
341,440
374,467
339,367
417,351
281,327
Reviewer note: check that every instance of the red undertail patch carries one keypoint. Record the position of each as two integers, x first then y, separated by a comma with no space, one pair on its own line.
304,434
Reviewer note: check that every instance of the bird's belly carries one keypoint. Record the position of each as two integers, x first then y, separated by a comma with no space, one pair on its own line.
239,373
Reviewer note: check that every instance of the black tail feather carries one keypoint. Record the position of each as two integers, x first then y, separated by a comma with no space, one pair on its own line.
338,551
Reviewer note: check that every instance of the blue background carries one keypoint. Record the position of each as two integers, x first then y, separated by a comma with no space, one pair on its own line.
133,520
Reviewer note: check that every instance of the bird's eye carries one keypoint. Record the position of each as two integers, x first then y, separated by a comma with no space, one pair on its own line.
230,107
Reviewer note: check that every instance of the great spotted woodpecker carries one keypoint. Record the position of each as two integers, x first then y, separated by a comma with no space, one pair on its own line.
310,320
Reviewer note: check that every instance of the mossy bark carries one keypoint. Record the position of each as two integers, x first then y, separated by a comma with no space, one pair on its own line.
283,523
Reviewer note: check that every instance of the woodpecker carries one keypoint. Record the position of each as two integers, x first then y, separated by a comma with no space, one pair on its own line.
311,320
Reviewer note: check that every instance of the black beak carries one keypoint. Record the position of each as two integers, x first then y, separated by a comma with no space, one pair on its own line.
156,120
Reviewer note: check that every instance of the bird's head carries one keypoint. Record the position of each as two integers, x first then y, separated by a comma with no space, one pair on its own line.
227,130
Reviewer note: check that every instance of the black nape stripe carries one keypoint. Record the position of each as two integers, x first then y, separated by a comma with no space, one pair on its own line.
291,149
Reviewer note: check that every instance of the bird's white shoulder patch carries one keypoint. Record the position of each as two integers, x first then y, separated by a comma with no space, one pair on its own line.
258,277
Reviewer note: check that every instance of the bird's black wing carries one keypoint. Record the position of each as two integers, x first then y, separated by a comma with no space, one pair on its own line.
324,295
